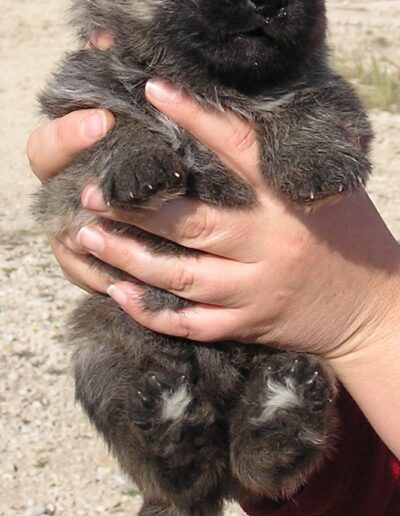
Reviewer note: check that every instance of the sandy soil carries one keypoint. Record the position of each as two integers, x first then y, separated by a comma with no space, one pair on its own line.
52,461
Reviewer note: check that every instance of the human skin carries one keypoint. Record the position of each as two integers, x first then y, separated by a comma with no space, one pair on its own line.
325,281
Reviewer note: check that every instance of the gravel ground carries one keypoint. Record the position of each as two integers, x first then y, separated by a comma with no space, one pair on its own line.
52,461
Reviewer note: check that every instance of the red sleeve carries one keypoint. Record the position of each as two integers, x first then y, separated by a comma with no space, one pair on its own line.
362,478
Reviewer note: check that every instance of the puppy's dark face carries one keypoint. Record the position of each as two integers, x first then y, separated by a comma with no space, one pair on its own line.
235,42
243,41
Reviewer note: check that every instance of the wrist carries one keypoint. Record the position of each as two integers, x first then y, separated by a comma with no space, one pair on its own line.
369,365
376,324
369,282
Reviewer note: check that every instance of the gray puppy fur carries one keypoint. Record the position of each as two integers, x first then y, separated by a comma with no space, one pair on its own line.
195,424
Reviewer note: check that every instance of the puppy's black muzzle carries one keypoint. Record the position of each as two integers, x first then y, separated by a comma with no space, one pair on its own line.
270,8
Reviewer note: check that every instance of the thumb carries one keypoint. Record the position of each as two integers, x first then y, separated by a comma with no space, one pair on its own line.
232,138
54,145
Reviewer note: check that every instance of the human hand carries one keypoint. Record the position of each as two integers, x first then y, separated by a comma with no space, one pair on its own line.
272,274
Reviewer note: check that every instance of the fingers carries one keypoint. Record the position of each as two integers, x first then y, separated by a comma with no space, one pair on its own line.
52,146
197,278
190,223
74,264
201,322
232,138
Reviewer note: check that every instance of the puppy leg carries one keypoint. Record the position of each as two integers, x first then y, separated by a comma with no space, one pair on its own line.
140,390
317,148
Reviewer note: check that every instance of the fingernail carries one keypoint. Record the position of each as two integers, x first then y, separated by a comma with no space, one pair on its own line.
118,295
102,39
94,126
91,240
92,199
163,91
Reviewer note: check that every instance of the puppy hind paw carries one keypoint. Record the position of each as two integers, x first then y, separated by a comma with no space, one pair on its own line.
160,397
297,380
287,424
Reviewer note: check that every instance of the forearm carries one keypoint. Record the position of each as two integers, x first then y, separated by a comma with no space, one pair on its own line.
371,372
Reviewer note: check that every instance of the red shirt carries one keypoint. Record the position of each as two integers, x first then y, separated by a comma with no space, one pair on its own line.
361,479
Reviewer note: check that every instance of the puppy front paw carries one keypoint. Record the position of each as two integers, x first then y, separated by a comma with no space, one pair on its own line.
336,174
149,177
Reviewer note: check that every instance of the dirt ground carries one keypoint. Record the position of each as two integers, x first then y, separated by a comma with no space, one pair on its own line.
52,461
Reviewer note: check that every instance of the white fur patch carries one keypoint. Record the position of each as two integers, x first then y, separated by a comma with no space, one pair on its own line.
145,10
279,396
175,404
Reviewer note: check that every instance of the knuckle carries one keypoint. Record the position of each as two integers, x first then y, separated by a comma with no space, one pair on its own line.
190,328
200,227
182,279
183,326
69,240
